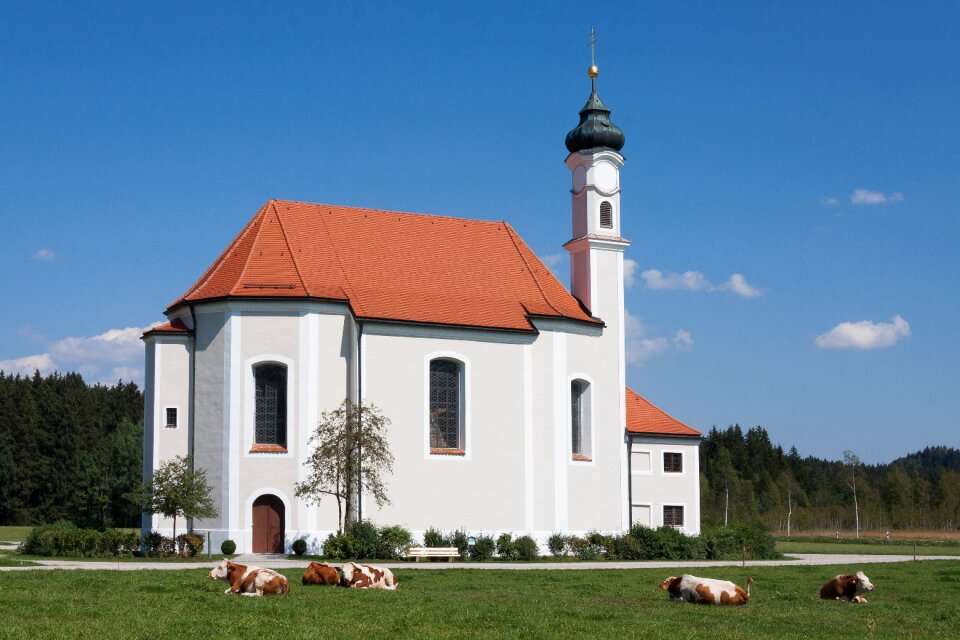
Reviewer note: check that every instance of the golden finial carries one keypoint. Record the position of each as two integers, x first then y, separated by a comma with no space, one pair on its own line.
593,71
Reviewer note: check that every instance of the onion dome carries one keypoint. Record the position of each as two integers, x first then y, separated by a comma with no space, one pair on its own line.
595,130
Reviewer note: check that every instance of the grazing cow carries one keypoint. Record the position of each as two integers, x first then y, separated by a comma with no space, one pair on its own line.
250,581
850,588
318,573
687,588
365,576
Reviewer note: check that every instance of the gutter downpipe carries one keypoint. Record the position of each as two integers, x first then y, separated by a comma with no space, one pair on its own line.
360,421
630,480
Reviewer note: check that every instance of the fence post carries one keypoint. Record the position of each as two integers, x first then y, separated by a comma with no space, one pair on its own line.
208,545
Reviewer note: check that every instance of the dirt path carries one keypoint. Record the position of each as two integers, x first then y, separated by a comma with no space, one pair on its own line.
793,559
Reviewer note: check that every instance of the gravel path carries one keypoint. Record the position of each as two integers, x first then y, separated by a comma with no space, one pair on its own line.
794,559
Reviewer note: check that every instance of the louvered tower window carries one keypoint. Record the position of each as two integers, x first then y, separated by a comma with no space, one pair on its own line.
445,404
606,215
271,404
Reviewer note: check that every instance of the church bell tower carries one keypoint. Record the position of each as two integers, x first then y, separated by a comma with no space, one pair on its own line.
596,250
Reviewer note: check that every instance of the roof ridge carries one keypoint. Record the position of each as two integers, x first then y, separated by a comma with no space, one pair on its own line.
511,233
253,245
336,254
390,211
286,240
220,261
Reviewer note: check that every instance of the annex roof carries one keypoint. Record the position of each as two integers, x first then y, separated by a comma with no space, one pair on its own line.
174,326
645,418
389,266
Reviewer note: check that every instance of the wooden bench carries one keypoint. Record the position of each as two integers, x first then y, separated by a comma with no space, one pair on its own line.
433,552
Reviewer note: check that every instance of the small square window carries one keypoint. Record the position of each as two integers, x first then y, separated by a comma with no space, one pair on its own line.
171,417
672,462
672,516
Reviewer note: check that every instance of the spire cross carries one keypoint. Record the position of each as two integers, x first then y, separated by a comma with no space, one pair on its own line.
593,41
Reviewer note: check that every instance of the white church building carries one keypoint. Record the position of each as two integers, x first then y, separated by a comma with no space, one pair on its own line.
536,431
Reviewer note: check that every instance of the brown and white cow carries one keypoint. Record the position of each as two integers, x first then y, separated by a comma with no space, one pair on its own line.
688,588
850,588
250,581
365,576
318,573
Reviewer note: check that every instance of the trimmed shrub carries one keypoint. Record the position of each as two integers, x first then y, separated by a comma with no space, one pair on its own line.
434,538
363,537
526,548
299,546
557,544
581,548
393,542
228,547
483,548
505,547
190,544
458,539
337,547
62,538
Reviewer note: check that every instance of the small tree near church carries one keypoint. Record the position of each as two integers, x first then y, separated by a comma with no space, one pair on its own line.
351,452
176,489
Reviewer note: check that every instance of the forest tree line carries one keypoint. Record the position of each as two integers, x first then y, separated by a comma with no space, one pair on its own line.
744,477
69,450
74,451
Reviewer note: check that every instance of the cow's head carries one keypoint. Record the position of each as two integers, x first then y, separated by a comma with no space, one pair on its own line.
671,584
221,571
863,581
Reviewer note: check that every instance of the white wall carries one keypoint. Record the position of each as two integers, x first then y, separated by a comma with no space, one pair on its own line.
652,488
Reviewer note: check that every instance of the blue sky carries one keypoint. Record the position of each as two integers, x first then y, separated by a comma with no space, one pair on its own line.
799,162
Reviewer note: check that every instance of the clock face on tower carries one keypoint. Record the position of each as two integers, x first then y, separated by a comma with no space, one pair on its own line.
605,177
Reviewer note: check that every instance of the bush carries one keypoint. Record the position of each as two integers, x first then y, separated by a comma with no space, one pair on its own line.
557,544
602,545
393,542
458,539
434,538
63,538
337,547
483,548
581,548
363,538
190,544
299,546
228,547
505,546
727,543
526,548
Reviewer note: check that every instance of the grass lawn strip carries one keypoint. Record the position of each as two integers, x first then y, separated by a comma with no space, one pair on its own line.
481,604
847,547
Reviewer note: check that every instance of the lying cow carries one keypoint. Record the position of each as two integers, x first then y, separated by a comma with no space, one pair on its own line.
365,576
687,588
318,573
250,581
850,588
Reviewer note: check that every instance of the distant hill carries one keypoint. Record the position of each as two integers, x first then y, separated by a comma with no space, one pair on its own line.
931,461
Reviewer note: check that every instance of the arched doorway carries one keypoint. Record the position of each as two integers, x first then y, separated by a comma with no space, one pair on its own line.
268,513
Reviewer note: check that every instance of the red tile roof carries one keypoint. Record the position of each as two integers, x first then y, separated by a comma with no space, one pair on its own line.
174,326
389,266
643,417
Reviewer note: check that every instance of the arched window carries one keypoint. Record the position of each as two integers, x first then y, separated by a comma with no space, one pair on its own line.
270,411
580,419
606,215
446,404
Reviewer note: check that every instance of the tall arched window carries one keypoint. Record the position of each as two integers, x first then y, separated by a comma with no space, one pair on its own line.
446,405
580,419
270,411
606,215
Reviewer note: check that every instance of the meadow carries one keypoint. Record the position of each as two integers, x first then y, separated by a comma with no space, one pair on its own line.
912,600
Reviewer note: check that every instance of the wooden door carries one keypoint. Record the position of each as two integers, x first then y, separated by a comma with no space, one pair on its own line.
268,531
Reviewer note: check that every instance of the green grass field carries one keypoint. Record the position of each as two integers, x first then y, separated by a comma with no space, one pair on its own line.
14,534
912,600
811,546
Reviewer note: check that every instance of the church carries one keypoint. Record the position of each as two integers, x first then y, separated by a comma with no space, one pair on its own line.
506,392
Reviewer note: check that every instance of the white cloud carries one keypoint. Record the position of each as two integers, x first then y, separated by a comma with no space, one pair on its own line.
108,357
829,201
641,347
866,196
696,281
864,335
44,254
629,272
28,364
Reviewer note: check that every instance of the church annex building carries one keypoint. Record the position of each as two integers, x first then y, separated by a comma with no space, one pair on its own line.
534,428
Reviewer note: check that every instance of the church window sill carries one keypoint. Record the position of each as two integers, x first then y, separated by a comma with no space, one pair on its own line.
447,452
579,457
268,448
